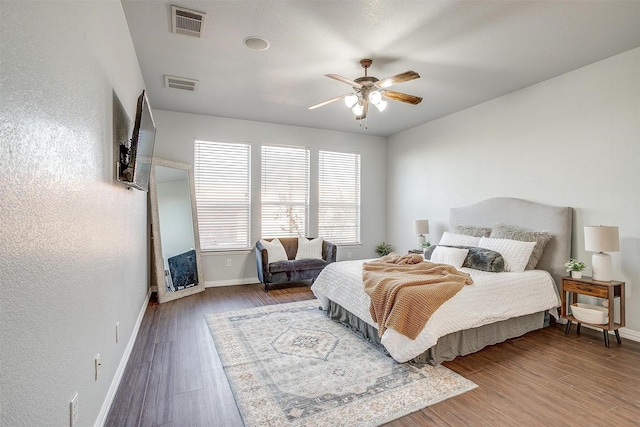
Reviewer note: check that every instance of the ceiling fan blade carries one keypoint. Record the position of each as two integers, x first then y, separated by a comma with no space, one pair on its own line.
328,101
355,85
398,78
403,97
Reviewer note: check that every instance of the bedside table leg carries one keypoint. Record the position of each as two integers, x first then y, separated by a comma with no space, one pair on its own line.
618,337
606,338
568,327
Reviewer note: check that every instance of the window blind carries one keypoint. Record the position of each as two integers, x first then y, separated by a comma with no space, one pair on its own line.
285,191
223,194
339,197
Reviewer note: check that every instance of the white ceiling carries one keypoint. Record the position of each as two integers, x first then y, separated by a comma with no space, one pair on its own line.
466,52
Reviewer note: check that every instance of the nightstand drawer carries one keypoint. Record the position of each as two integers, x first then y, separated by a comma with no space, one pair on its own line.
586,289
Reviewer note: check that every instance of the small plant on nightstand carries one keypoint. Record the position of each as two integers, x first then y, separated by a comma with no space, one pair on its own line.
425,245
575,267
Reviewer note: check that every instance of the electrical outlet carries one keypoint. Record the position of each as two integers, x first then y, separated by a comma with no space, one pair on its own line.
97,363
73,411
228,262
117,336
348,255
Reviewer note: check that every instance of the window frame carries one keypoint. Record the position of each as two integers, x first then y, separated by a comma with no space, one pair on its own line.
355,187
242,205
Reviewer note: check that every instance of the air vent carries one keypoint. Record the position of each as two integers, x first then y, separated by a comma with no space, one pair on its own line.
180,83
187,22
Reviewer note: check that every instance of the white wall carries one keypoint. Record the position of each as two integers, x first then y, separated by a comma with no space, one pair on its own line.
573,140
73,246
174,141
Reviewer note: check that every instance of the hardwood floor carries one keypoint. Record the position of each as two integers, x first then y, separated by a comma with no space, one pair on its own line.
174,376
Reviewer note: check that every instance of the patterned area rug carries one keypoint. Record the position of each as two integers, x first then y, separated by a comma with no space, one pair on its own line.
290,365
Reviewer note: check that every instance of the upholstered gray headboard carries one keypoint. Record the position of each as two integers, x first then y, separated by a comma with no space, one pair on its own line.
558,221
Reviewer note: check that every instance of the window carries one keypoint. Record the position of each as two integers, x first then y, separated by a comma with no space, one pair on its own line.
339,197
285,191
223,194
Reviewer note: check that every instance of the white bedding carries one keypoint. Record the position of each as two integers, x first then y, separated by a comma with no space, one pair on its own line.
493,297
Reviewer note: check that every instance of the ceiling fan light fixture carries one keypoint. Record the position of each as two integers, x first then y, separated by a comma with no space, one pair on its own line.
381,106
371,90
351,100
375,97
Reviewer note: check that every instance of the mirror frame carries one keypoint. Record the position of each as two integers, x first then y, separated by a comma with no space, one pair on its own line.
164,296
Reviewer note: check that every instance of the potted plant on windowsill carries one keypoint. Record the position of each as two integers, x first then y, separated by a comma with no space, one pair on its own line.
384,249
575,267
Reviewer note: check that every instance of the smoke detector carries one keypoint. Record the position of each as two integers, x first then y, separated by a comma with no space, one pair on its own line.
187,22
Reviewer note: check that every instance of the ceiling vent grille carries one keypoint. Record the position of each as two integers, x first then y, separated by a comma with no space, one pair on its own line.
173,82
187,22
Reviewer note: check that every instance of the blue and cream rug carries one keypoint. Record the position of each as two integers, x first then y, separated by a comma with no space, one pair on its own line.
290,365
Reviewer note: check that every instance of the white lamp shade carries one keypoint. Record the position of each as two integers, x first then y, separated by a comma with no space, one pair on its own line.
381,106
421,226
358,109
375,97
601,238
350,100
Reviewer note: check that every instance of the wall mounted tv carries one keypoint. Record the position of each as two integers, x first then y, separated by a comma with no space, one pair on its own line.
134,165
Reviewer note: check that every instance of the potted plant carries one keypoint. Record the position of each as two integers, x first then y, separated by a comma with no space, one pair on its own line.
425,245
384,249
575,267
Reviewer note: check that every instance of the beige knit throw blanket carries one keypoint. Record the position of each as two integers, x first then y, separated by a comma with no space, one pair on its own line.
405,291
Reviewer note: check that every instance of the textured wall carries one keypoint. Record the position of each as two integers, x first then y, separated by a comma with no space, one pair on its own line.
73,245
573,140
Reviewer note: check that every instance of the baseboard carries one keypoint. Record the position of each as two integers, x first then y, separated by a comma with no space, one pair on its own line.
627,333
104,411
231,282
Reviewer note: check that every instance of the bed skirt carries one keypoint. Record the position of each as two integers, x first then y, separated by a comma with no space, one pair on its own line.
452,345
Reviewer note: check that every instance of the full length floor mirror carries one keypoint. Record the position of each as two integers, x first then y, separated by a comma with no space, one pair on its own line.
176,245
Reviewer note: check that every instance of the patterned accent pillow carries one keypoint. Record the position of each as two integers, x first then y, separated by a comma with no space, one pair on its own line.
452,239
275,250
309,249
478,258
516,254
472,230
449,255
501,231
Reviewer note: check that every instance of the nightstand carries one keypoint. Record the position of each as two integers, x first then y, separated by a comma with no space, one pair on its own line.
594,288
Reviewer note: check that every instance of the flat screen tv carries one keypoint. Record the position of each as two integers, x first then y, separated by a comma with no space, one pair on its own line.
134,165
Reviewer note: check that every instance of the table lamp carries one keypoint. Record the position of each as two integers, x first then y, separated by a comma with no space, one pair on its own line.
601,239
421,227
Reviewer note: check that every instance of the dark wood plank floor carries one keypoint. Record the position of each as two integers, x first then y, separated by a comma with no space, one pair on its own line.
174,376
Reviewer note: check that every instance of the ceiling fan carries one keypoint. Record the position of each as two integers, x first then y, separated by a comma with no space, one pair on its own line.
369,89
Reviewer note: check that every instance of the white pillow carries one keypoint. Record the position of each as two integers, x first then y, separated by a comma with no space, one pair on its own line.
275,250
515,253
452,239
309,249
451,256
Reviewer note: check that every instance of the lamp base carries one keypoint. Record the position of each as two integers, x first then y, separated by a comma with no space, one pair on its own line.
601,266
421,240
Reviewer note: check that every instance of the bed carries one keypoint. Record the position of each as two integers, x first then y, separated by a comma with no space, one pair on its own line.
497,307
